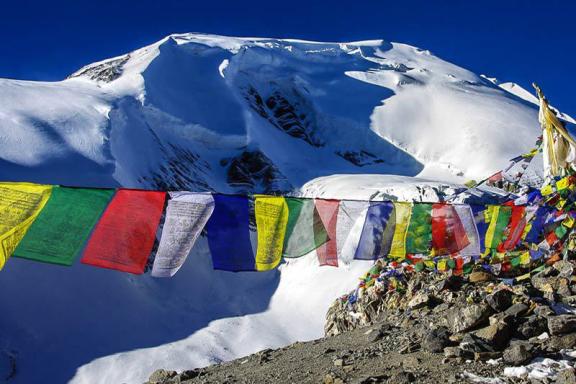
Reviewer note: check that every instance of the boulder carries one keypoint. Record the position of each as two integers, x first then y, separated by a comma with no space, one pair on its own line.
436,340
479,276
467,317
497,335
419,300
532,327
161,375
562,324
517,354
517,310
500,300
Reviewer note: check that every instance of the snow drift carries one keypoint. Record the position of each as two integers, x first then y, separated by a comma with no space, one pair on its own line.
211,113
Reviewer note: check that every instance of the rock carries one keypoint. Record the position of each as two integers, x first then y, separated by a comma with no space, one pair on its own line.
532,327
479,276
517,310
410,362
436,340
470,316
451,283
543,311
452,352
419,300
484,356
500,300
403,378
374,335
161,375
561,324
497,335
566,376
557,343
517,354
338,362
565,268
471,343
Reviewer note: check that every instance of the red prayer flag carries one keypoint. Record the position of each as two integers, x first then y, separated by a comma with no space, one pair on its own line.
448,232
515,229
328,212
124,236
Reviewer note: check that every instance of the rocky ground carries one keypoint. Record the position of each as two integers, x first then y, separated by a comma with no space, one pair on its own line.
431,328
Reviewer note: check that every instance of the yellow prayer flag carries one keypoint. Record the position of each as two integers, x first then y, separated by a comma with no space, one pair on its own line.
563,183
20,204
568,221
525,258
442,264
492,212
547,190
403,211
523,277
271,219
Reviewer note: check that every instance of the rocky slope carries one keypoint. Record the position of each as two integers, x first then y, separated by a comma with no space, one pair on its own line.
429,329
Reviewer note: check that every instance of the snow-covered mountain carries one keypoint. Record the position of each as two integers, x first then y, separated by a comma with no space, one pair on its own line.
202,112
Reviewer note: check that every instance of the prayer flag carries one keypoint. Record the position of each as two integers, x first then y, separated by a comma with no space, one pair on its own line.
377,233
63,226
499,219
271,219
466,217
350,222
419,237
328,212
304,231
515,228
536,232
448,233
20,204
124,236
402,213
229,234
481,224
186,215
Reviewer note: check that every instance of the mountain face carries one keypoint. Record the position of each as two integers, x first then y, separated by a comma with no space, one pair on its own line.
203,112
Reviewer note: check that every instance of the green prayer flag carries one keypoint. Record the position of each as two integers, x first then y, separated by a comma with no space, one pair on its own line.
60,231
504,215
419,236
305,231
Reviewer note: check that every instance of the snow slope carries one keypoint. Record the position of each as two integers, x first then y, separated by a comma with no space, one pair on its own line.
204,112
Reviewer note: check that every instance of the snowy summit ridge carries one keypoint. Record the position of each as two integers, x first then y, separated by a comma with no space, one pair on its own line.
205,112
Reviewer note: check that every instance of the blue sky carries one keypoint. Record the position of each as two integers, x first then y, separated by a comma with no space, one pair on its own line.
520,41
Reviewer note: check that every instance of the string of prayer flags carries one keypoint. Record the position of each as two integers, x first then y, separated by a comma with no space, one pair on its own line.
305,231
419,237
448,233
124,237
350,222
271,219
402,212
20,204
186,215
328,212
229,234
377,233
64,224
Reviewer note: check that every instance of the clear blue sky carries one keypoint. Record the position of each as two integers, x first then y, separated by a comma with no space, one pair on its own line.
520,41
